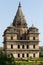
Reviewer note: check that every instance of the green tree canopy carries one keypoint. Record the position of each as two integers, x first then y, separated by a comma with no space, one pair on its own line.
6,59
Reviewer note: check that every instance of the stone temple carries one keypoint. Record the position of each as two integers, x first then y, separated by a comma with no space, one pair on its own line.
19,39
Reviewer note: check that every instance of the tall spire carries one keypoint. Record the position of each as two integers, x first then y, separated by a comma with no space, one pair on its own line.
19,18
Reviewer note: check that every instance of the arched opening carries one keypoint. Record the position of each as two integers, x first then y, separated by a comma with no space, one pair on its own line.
11,46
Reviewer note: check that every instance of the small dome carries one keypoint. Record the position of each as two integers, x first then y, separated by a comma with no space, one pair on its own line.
33,28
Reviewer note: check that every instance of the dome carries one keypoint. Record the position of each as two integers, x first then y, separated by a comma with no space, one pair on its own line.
33,29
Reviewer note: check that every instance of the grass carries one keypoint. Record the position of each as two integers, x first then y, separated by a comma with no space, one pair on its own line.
30,61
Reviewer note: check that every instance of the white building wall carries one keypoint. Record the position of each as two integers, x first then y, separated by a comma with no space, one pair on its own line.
37,55
31,55
8,46
14,46
15,55
30,46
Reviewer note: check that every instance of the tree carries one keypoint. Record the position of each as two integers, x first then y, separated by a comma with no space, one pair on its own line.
6,59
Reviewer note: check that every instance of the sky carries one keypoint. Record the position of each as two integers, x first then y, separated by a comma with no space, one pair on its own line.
32,10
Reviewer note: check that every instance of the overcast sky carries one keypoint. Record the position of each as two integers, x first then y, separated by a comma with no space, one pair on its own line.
32,10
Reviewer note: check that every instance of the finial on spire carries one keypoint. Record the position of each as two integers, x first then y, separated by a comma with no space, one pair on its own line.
19,4
32,25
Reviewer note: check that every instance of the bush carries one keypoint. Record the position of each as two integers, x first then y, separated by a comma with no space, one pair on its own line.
6,59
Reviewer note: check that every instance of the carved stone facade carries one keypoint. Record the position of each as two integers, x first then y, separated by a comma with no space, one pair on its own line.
19,40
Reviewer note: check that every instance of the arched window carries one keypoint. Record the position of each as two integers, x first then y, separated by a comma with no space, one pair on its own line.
33,38
18,55
20,37
11,37
34,55
27,55
34,46
23,55
11,46
18,46
22,46
27,46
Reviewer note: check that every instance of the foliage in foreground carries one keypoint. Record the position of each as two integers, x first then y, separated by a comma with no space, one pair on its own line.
8,59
